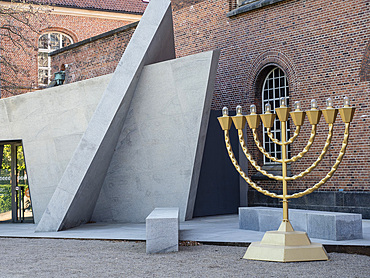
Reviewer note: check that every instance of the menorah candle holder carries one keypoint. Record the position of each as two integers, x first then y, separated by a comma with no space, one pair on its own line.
285,244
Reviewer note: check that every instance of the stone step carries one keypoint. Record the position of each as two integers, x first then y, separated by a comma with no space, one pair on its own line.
317,224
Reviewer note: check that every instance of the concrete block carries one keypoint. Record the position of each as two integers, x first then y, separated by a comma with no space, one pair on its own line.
259,218
348,226
298,219
248,219
162,230
269,220
321,226
318,224
334,226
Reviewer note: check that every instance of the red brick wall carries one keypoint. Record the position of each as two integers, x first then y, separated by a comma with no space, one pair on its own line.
84,27
319,44
180,4
77,27
365,65
94,58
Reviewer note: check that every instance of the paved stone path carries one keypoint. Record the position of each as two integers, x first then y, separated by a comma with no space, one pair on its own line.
22,257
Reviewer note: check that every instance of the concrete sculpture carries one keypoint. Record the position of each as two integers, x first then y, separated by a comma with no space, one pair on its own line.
142,144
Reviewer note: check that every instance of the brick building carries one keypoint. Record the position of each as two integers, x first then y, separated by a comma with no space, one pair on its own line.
58,23
322,50
300,49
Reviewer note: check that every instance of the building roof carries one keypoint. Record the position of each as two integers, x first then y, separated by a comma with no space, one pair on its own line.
124,6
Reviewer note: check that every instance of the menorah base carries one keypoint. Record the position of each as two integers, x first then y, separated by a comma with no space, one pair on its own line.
285,245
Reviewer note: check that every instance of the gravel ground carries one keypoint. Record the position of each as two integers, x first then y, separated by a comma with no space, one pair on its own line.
94,258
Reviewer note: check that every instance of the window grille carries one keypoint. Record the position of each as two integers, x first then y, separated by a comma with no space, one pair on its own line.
274,87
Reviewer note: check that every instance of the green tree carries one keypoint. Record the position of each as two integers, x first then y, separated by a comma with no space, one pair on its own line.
7,157
5,198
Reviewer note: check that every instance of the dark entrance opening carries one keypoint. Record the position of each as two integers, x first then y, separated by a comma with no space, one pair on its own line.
218,189
15,199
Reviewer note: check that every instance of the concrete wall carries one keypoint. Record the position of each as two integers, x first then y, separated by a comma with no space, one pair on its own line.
50,124
75,197
158,155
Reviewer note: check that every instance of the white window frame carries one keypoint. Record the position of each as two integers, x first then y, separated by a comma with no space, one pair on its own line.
47,51
274,87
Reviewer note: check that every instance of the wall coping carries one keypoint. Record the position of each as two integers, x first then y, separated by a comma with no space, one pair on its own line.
95,38
249,5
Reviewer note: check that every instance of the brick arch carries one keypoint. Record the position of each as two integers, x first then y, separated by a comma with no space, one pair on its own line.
260,67
365,65
60,30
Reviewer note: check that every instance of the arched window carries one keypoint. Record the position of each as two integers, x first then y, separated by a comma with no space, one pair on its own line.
49,42
274,87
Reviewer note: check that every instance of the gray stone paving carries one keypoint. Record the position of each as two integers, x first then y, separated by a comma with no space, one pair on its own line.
26,257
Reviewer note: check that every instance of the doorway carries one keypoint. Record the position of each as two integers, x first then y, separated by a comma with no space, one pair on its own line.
15,198
218,190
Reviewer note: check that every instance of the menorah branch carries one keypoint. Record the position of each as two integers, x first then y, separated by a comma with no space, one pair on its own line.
295,135
308,146
261,148
298,115
291,140
321,156
331,172
271,136
241,172
252,161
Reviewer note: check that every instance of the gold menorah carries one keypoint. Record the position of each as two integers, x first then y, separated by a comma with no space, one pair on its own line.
286,244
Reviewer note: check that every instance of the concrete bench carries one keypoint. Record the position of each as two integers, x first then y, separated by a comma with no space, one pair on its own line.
162,230
317,224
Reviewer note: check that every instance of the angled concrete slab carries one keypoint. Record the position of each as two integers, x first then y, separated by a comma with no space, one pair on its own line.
75,196
50,123
159,152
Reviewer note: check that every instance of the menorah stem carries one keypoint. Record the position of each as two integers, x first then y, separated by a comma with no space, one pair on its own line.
284,174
